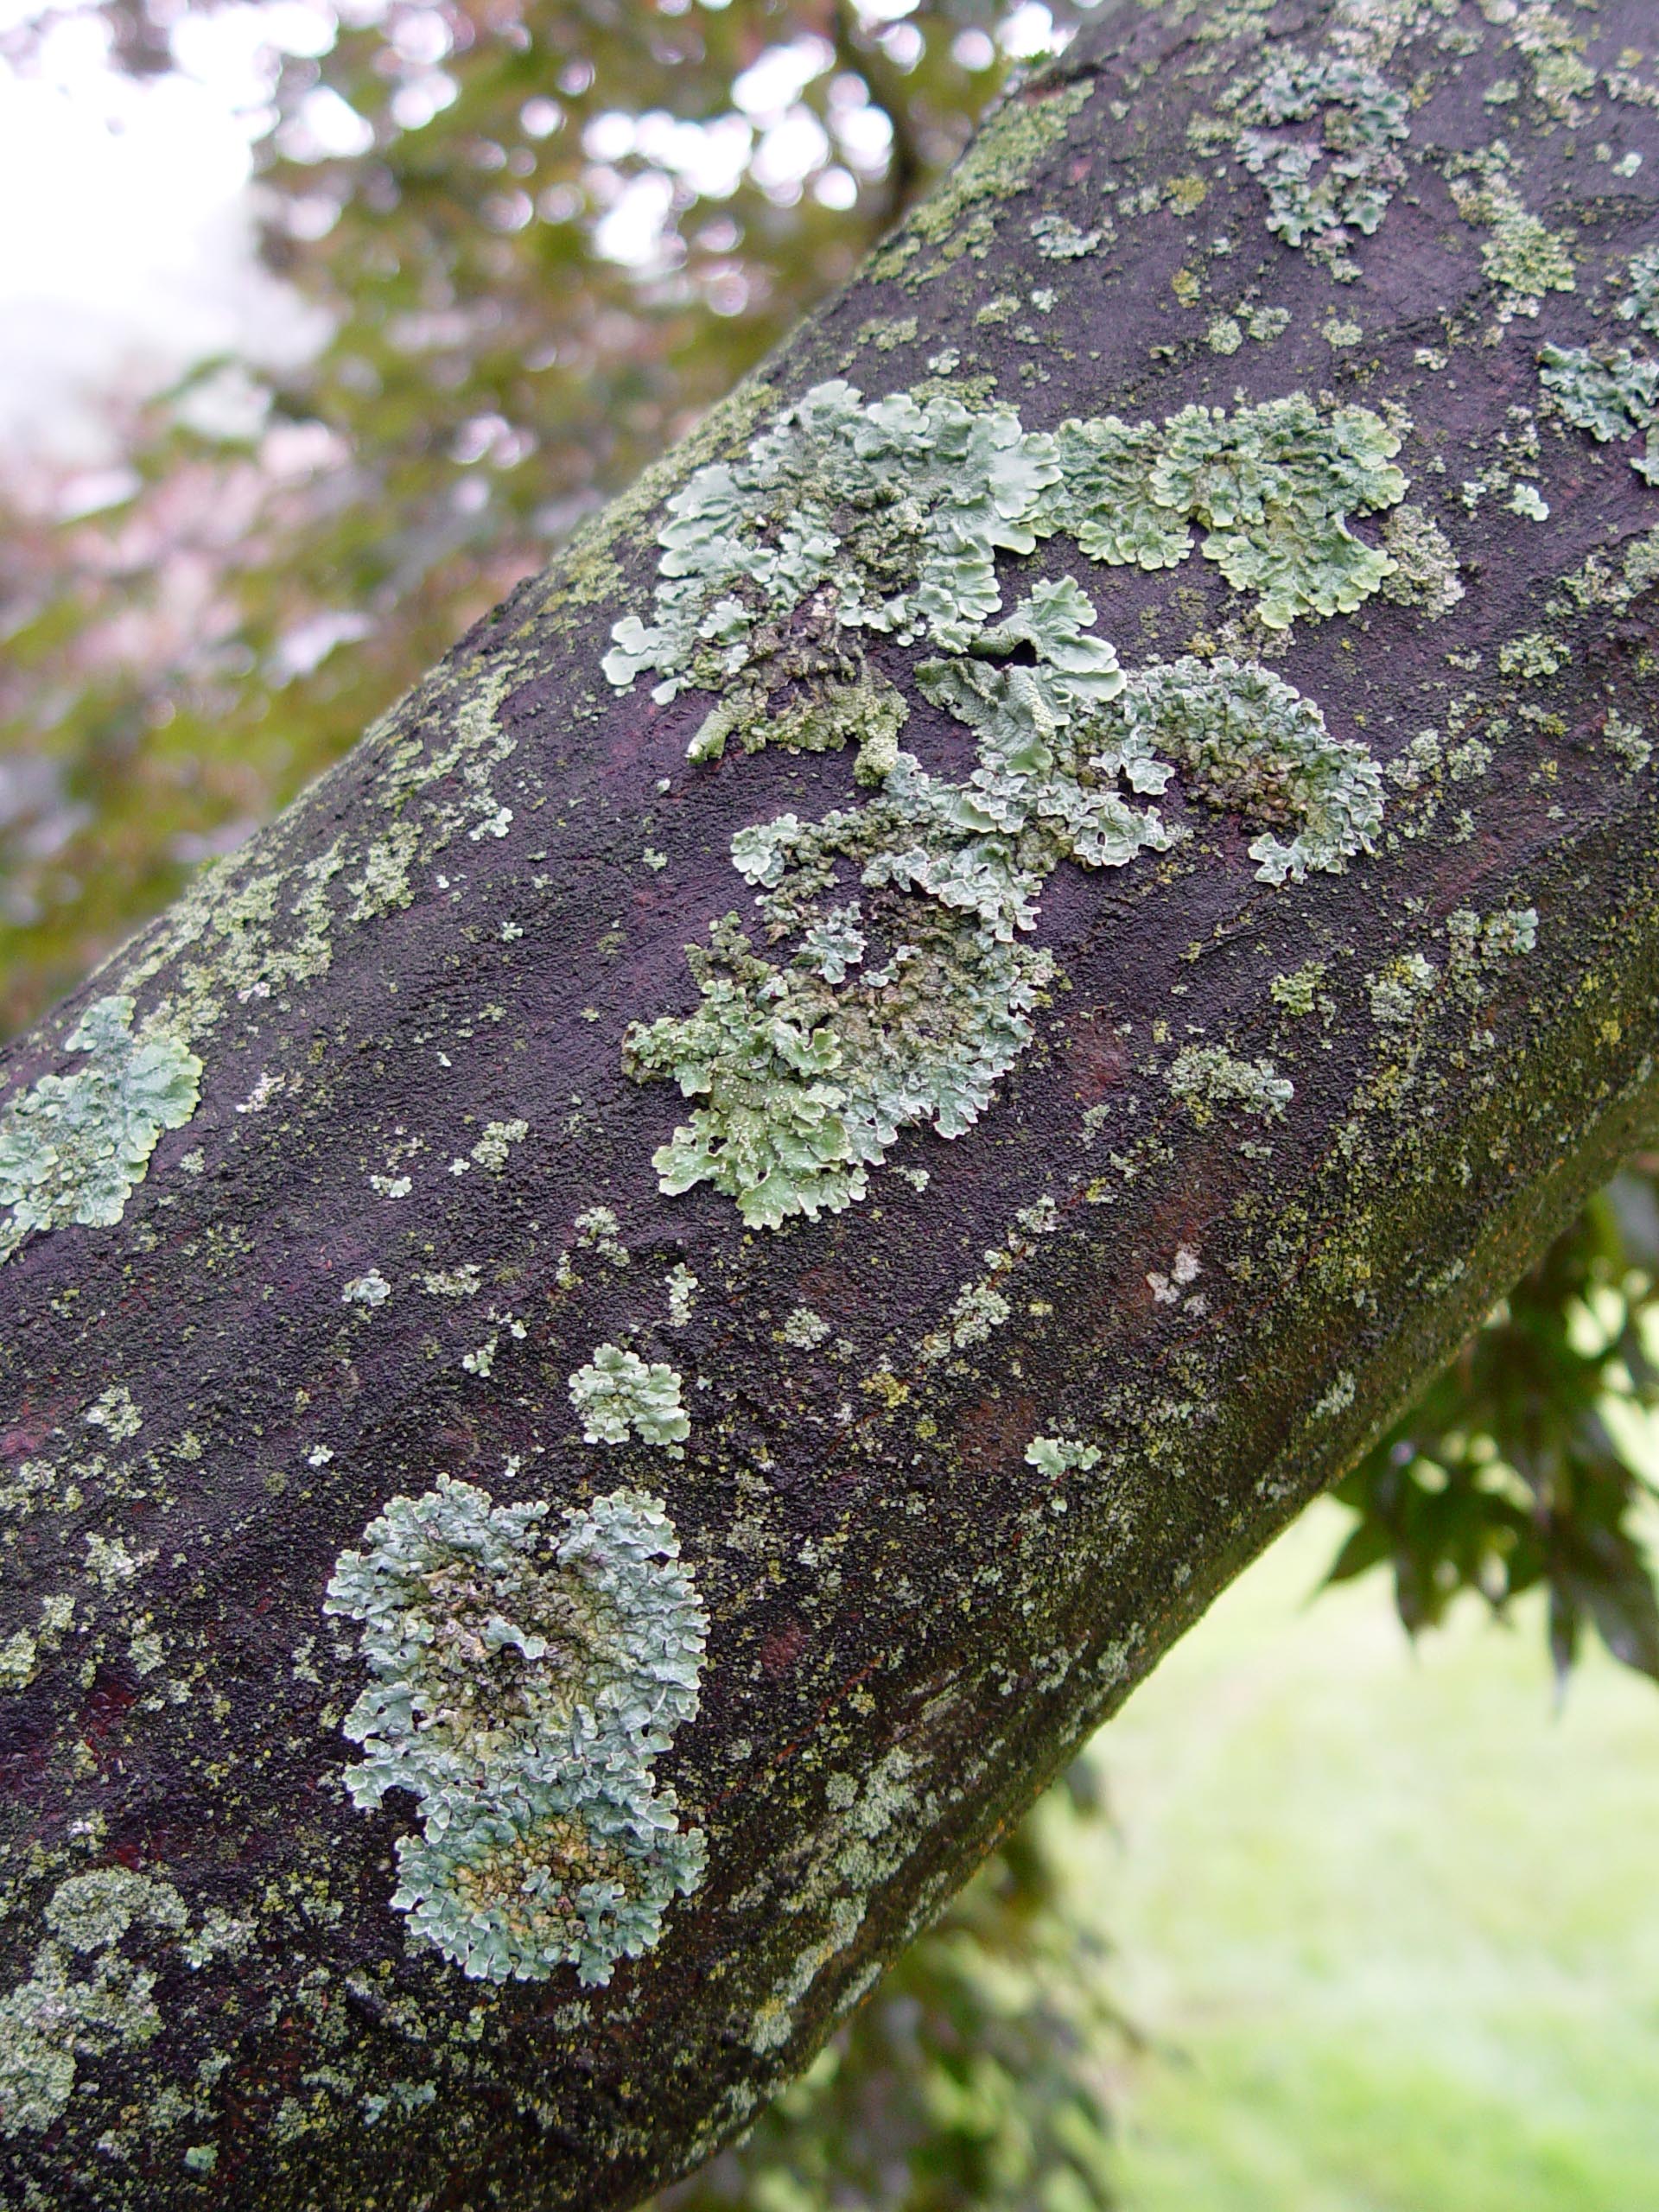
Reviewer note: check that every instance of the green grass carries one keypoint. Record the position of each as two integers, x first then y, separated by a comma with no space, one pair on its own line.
1391,1919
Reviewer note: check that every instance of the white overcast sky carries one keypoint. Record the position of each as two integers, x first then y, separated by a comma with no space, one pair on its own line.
126,231
126,236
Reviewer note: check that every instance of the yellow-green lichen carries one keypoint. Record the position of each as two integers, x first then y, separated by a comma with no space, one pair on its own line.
997,163
1534,657
1521,257
116,1413
1626,739
1562,78
20,1660
846,521
525,1682
83,1997
384,884
73,1147
1297,991
1400,990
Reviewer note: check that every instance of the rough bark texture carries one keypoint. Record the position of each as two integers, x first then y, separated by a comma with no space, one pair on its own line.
951,1466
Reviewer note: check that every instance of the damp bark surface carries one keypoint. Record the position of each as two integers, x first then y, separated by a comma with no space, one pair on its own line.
557,1494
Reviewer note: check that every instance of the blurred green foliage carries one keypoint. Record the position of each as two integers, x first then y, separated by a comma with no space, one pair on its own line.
539,237
1530,1462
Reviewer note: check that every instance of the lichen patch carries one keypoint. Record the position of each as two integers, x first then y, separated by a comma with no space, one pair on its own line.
526,1680
619,1395
847,522
73,1147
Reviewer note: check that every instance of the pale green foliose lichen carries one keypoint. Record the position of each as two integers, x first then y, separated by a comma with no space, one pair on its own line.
1560,76
526,1680
1327,183
1500,936
1057,238
491,1149
889,516
804,1329
1057,1455
1522,258
1613,391
73,1147
1399,991
597,1228
1297,991
845,522
1207,1076
1626,739
1243,738
619,1395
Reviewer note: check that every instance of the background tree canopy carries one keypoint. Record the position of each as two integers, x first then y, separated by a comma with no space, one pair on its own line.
538,236
541,240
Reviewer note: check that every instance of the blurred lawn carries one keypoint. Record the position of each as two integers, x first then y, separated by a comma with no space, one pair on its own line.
1393,1921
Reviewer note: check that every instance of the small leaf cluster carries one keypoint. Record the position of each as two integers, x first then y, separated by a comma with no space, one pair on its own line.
1528,1464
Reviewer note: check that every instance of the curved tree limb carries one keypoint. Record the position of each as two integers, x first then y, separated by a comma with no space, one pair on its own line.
505,1639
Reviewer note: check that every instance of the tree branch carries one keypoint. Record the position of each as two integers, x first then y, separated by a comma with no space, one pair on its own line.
557,1497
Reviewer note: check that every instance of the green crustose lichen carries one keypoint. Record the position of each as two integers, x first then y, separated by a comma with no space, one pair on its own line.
72,1147
1204,1077
525,1681
846,521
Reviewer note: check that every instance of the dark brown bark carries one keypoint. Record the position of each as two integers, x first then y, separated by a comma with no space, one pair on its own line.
914,1623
